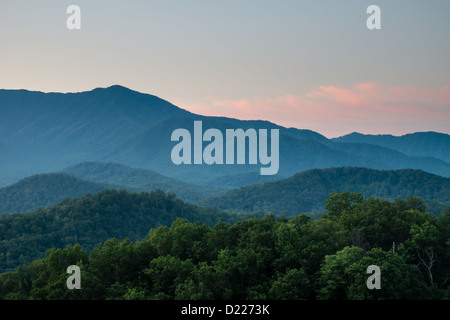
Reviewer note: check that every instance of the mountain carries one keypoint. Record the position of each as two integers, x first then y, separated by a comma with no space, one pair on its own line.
307,191
47,189
94,218
48,132
419,144
299,150
43,190
390,158
141,180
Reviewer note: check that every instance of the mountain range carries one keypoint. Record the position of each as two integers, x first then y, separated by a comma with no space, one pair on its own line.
304,192
48,132
85,167
419,144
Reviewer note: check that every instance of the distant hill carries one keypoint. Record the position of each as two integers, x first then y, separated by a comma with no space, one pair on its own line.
141,179
241,180
307,191
92,219
387,158
43,190
419,144
47,189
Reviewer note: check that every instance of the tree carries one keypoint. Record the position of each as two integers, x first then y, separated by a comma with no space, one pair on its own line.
165,273
344,275
335,274
424,242
49,275
292,285
399,280
338,203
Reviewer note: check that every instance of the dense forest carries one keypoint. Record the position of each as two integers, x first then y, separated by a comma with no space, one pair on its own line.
94,218
257,258
307,191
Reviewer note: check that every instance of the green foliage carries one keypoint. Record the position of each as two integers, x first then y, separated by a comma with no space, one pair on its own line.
344,275
293,285
258,258
307,191
95,218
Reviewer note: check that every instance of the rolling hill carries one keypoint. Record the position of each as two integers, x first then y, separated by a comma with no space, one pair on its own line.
240,180
44,190
307,191
94,218
141,180
47,189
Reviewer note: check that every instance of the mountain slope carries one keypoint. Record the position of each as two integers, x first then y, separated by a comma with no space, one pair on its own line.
392,159
419,144
53,130
307,191
296,154
43,190
92,219
240,180
89,119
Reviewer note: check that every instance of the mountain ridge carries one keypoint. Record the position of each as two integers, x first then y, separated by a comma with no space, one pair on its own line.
307,191
423,143
47,132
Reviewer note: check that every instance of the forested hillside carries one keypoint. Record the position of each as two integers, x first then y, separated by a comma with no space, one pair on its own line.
44,190
91,219
307,191
229,182
259,258
141,179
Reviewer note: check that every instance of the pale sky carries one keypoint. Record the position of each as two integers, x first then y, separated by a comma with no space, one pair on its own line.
306,64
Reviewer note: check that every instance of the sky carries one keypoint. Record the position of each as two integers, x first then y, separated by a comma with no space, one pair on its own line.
309,64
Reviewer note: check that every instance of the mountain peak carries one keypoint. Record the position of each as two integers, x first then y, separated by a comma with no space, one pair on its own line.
118,87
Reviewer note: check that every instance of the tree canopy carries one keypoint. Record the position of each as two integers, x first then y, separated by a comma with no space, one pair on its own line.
259,258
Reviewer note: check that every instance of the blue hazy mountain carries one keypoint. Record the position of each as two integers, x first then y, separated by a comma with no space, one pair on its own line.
419,144
141,180
47,132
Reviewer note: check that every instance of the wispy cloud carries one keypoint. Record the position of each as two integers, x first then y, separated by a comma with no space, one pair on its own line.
333,111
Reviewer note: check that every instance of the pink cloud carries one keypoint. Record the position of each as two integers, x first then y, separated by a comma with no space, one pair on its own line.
330,110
